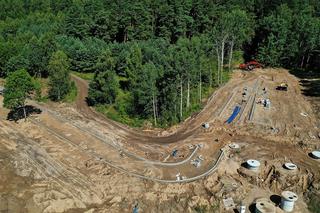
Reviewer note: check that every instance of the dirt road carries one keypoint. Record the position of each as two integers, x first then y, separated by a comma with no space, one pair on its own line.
185,130
73,159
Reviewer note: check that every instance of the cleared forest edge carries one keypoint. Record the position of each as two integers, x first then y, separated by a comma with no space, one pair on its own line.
96,163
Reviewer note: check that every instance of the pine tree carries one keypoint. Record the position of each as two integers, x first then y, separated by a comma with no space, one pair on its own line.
77,24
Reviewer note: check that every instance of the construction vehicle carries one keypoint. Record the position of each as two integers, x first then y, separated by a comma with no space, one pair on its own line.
250,65
283,87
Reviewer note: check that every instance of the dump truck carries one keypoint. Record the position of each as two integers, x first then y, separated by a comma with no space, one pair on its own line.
250,65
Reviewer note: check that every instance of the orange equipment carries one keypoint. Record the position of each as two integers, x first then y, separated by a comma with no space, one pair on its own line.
250,65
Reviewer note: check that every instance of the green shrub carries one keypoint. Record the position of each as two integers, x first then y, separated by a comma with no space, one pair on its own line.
72,95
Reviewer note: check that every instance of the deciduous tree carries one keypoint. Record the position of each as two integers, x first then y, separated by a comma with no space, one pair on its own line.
104,88
18,87
59,76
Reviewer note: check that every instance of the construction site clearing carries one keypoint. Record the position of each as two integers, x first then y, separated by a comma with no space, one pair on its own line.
253,148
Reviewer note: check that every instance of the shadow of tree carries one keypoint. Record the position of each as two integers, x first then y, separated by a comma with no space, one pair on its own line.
309,80
17,114
89,101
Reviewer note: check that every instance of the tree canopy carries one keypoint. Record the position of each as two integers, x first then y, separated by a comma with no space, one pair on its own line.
59,80
18,86
154,60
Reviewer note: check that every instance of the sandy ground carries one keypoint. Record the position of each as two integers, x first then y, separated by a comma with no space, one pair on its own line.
70,158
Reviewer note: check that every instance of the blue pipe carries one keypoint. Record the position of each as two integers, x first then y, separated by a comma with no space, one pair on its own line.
234,114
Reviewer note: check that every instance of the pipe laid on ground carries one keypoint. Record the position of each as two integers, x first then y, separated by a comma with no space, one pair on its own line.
227,103
134,174
123,150
234,114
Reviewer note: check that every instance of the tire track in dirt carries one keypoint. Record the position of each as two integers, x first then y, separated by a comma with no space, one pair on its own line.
117,147
135,174
190,127
51,168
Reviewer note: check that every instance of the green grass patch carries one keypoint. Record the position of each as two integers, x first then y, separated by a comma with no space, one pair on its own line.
43,99
195,105
112,113
226,75
85,76
120,110
41,90
72,95
237,58
314,203
42,94
207,91
206,209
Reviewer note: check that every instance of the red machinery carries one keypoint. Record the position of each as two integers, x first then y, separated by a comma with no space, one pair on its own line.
250,65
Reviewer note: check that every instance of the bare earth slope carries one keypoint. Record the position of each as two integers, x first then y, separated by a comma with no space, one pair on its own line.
72,159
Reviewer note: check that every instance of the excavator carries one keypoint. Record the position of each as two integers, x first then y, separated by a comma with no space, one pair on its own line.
283,86
250,65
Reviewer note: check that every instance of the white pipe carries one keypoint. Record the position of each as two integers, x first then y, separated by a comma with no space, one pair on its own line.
288,200
242,208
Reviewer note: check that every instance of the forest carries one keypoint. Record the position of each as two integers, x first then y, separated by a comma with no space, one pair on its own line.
154,61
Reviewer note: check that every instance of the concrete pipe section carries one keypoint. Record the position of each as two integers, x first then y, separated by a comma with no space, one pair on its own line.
264,205
206,125
315,154
290,166
242,208
253,164
287,201
234,146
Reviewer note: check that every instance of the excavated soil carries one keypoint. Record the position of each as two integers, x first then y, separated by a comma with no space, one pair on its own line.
70,158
